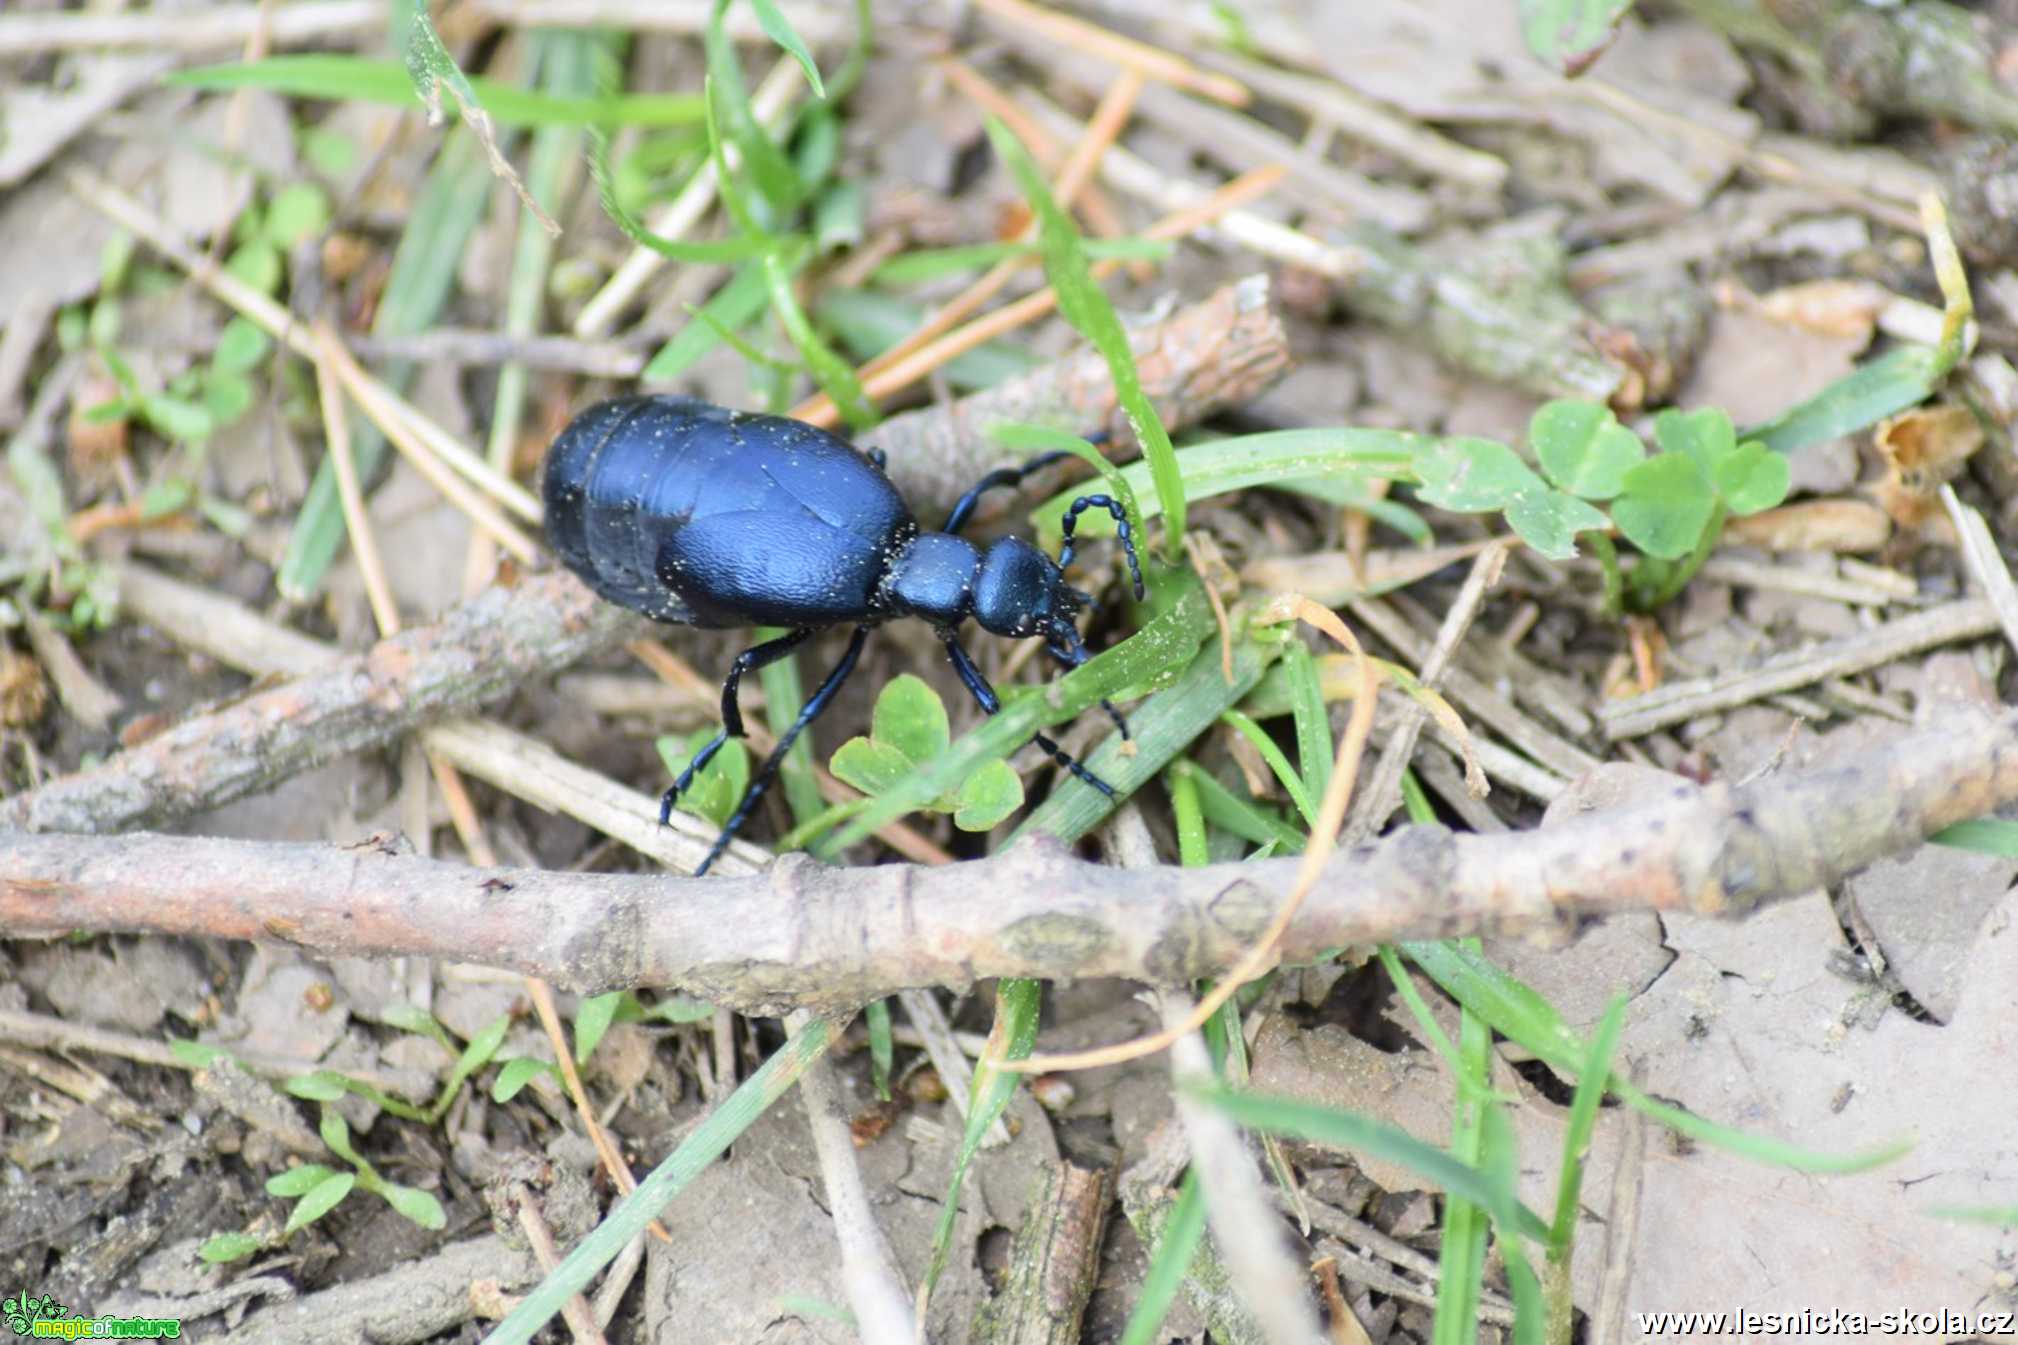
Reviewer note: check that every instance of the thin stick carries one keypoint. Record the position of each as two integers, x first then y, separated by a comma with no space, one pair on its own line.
1151,62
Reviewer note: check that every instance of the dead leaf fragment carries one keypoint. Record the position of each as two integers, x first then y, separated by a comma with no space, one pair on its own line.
1814,525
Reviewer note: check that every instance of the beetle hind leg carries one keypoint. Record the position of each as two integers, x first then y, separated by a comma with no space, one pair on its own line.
732,712
815,705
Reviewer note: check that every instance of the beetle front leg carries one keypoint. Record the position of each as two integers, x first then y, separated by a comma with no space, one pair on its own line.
732,712
984,696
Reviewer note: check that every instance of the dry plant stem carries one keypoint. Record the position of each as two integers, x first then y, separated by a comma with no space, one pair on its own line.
935,1034
462,345
1985,562
580,1319
480,650
617,1281
1677,702
46,1033
1055,1261
336,434
1622,1229
187,30
923,362
869,1275
804,935
769,104
1153,62
1221,351
1383,792
416,436
1248,1232
1108,120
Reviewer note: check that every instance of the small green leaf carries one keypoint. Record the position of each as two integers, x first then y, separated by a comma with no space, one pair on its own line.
418,1206
1568,35
332,153
197,1054
870,766
1666,504
325,1196
1549,520
257,263
988,796
412,1018
226,397
1469,475
335,1132
1583,448
1753,477
514,1074
717,790
911,718
592,1020
321,1086
677,1009
1705,434
240,346
177,418
227,1247
300,210
1984,835
298,1181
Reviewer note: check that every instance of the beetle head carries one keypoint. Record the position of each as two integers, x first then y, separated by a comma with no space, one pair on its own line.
1020,591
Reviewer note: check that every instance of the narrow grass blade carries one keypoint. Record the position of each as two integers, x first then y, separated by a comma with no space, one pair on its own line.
1461,1258
1285,774
1229,812
1017,1002
351,79
630,1216
1085,306
1348,1130
1515,1010
730,308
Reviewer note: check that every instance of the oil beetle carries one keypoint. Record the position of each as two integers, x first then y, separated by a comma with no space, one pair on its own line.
700,516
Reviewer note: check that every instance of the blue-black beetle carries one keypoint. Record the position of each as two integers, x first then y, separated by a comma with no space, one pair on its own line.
701,516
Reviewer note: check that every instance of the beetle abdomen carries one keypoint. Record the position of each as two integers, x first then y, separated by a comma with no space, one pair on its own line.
697,515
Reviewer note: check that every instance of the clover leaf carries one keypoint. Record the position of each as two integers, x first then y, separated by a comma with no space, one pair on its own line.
909,729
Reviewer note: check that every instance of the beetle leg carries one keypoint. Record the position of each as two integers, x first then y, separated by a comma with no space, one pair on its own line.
984,696
815,704
1121,530
732,713
1001,476
1064,645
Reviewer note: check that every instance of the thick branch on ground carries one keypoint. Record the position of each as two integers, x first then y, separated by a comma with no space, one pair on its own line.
476,653
1221,351
802,935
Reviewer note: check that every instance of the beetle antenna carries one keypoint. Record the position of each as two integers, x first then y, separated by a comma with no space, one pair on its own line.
1121,530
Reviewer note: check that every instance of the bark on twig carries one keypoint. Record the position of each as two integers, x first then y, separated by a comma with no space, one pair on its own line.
803,935
1055,1261
477,652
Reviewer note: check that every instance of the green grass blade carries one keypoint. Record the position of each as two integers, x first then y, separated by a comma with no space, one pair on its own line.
1867,394
1229,812
1165,726
835,375
730,308
1559,1310
631,1215
351,79
423,273
1350,1131
1017,1002
1516,1011
882,1046
779,29
1314,749
1286,458
732,119
1036,439
1085,306
1285,774
1156,651
1461,1258
1984,835
784,695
